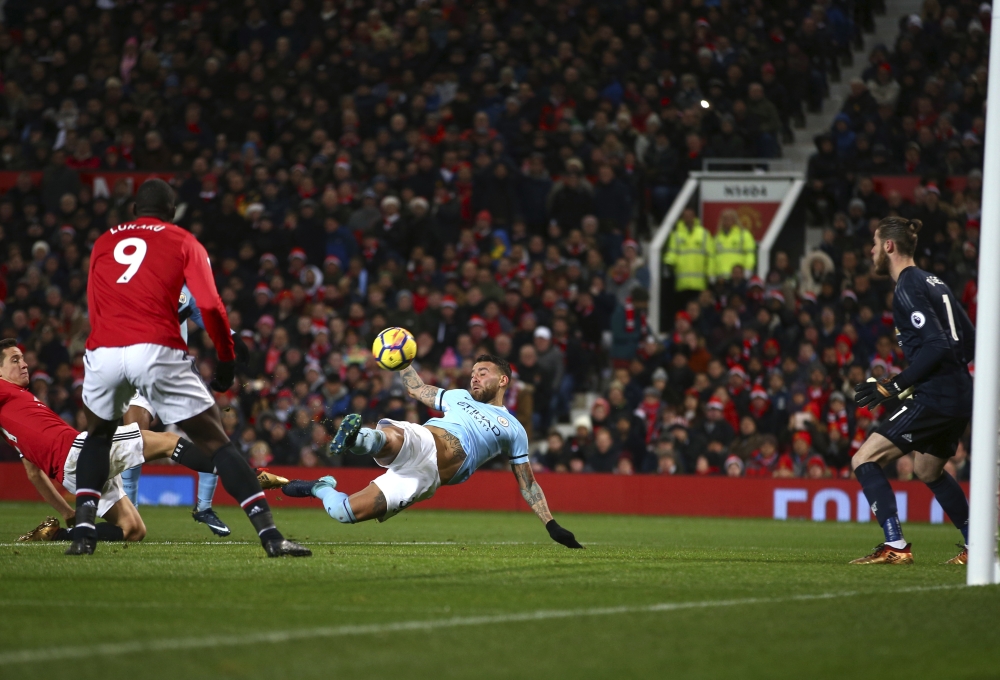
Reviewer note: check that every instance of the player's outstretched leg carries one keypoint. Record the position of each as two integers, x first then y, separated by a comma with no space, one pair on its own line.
336,503
350,436
369,503
239,480
203,512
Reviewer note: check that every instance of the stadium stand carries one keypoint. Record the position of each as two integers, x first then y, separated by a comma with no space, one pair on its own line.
485,175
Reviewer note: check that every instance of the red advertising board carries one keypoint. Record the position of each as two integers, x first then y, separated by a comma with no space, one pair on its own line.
818,500
906,185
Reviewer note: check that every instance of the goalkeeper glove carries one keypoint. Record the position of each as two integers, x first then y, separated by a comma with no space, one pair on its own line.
225,371
873,393
560,535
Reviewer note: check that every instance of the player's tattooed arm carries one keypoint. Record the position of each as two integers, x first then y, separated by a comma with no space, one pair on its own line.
415,387
531,492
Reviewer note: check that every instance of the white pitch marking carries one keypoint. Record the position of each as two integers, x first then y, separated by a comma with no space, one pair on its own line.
105,649
57,604
395,543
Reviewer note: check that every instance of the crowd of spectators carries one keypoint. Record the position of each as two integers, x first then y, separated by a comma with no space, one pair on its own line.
917,109
479,174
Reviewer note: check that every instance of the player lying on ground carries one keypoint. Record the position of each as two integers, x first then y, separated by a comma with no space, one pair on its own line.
141,411
419,458
50,449
128,352
938,341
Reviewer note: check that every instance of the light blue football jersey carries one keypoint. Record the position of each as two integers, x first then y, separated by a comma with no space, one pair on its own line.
187,308
484,430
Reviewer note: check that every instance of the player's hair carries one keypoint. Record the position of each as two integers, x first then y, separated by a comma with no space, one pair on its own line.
502,364
155,198
902,232
5,345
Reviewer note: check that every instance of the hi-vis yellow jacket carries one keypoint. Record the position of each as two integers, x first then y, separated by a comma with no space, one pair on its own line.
691,252
738,247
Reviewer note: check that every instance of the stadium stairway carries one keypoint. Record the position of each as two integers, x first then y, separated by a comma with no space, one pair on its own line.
886,30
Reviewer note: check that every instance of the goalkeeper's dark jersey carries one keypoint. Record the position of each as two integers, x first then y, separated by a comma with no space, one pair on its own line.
933,328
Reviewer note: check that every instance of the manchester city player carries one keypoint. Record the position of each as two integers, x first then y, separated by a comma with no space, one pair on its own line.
934,393
419,458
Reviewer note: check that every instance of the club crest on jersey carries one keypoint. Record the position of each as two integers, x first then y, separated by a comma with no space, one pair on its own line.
917,319
503,421
183,299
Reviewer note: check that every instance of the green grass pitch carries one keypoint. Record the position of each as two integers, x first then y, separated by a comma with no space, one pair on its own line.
487,595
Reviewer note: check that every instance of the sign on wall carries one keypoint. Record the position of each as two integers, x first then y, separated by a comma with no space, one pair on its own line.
754,200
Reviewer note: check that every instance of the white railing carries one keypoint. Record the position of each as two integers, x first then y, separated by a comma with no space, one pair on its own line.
655,250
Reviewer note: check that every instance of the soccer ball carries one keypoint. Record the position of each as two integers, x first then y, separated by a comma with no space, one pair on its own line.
394,349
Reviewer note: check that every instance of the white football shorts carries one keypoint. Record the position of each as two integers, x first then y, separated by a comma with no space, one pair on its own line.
126,452
413,476
141,402
164,376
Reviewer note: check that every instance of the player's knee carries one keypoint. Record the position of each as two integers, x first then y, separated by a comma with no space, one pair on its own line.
393,438
875,450
134,531
860,458
927,476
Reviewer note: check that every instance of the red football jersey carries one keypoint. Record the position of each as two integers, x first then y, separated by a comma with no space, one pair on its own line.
137,270
35,430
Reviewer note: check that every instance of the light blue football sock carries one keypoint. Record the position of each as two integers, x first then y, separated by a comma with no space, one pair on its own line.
206,490
369,442
130,480
336,503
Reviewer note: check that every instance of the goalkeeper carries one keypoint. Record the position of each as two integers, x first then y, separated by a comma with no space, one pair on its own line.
938,341
419,458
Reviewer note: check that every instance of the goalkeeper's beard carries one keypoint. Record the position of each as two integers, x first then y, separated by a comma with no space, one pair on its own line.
882,263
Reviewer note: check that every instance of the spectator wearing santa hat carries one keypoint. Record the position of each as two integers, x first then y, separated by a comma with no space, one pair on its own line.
796,459
816,467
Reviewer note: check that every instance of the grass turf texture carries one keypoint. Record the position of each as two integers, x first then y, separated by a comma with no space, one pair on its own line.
425,568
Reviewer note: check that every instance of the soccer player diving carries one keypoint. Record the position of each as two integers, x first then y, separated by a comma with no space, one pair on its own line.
420,458
932,397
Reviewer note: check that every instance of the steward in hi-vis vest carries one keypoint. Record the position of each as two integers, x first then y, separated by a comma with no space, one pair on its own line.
691,252
734,245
